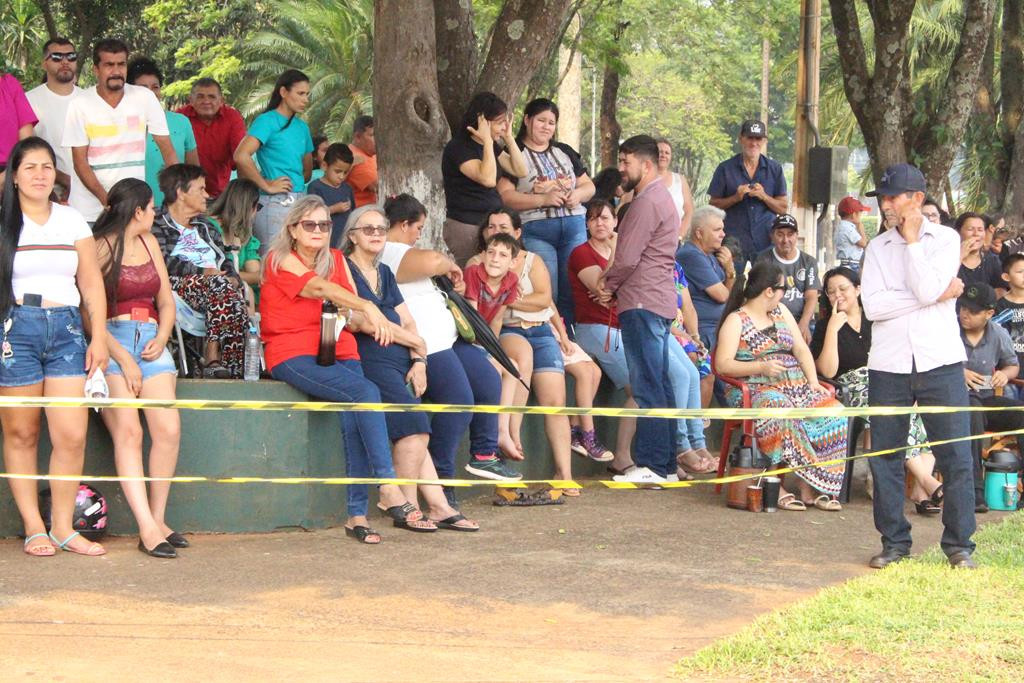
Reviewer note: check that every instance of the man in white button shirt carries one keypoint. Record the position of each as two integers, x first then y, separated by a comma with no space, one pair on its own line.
909,290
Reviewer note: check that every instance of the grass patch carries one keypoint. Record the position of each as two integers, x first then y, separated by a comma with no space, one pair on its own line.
914,621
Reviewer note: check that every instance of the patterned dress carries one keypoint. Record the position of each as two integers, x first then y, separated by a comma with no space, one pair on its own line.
795,442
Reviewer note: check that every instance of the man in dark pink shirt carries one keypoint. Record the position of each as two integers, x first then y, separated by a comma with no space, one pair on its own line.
641,280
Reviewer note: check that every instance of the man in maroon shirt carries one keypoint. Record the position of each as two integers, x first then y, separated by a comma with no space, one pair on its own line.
641,279
218,129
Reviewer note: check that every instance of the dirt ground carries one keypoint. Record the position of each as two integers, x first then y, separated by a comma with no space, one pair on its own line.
615,585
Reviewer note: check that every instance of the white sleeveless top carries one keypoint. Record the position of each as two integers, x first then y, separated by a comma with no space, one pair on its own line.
676,191
515,316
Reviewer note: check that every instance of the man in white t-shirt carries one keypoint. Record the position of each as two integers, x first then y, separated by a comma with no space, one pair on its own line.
51,99
106,130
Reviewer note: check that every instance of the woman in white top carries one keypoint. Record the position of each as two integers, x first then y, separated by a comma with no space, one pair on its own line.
550,198
457,372
48,267
677,187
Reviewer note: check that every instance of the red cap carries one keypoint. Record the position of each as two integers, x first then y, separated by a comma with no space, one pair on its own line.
848,205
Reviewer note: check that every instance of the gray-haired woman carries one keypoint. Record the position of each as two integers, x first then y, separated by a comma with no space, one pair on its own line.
301,271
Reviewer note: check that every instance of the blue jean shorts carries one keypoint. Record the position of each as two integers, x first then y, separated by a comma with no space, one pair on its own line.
547,354
44,342
133,336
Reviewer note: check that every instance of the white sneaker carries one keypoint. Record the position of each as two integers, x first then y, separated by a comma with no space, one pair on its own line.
640,475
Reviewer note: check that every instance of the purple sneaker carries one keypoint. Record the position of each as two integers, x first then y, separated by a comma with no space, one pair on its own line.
595,450
576,444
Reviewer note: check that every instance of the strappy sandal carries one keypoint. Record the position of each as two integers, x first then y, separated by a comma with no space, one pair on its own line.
362,533
39,550
791,503
94,550
400,515
452,523
827,503
215,370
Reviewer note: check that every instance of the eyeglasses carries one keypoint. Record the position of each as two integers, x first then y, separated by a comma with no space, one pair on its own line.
311,226
58,57
371,230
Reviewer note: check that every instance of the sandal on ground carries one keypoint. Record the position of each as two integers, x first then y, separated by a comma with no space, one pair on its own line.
570,493
362,534
94,549
827,503
521,498
927,507
400,515
698,467
789,502
452,523
707,458
215,370
39,550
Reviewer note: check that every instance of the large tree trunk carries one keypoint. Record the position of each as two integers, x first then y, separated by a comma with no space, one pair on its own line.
456,56
611,131
945,133
1011,105
983,130
410,125
521,40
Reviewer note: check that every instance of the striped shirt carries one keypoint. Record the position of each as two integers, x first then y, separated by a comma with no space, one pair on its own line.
115,138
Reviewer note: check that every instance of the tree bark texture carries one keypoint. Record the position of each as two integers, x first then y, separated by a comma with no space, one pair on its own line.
938,147
411,128
523,36
611,130
457,58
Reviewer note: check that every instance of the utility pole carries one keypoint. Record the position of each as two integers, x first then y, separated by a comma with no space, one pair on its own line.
807,88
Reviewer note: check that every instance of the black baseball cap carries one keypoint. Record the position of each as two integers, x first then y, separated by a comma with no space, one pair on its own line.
754,129
978,297
899,178
784,221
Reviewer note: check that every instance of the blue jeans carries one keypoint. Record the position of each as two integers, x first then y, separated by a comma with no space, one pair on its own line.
646,339
461,375
942,386
553,239
367,448
270,219
686,392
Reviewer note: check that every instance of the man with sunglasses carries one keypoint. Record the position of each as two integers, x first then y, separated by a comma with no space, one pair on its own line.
51,99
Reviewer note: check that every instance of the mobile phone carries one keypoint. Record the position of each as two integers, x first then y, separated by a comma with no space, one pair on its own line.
32,300
140,315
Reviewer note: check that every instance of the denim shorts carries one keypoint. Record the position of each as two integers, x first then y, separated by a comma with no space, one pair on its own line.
547,354
133,336
45,342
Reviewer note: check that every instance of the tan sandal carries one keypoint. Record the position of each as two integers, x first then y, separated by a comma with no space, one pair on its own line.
828,504
791,503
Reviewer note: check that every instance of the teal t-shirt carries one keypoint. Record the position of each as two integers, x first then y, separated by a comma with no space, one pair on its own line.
182,139
282,146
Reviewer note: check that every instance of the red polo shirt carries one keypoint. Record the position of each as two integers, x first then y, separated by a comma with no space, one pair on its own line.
216,141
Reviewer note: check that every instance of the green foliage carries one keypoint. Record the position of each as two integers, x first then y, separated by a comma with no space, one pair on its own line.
22,33
328,40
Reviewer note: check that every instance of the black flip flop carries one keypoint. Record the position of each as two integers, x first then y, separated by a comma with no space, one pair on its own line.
450,523
400,516
361,532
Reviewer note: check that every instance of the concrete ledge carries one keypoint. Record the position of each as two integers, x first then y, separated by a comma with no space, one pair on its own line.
262,444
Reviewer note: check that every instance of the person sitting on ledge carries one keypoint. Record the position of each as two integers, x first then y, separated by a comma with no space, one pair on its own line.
760,341
300,273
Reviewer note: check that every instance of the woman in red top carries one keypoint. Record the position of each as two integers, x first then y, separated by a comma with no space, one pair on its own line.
300,272
597,326
140,307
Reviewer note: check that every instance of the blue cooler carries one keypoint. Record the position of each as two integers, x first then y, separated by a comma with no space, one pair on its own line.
1001,472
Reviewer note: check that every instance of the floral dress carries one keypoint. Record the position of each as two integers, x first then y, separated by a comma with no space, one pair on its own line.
797,442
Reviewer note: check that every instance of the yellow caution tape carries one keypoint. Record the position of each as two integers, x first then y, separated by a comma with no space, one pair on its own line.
553,483
326,406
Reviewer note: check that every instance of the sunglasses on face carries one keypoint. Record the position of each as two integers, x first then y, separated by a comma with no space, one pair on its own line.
312,226
371,230
58,57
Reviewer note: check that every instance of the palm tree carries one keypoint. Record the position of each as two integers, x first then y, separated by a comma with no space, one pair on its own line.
331,41
22,33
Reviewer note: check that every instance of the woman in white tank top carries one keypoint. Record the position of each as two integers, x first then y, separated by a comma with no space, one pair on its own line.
677,187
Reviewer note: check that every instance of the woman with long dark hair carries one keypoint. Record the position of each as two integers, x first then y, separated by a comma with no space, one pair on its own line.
140,307
759,340
480,151
283,145
840,347
48,269
550,198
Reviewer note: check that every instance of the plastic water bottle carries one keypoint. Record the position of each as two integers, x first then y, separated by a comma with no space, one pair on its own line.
251,368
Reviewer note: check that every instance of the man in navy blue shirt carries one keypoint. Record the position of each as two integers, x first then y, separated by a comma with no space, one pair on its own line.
751,189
